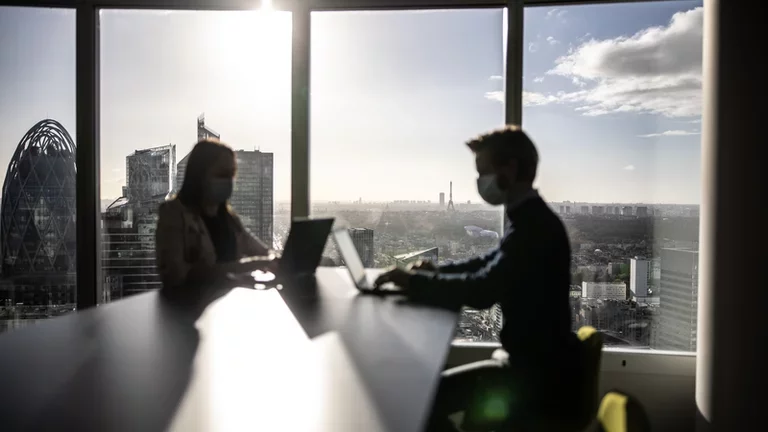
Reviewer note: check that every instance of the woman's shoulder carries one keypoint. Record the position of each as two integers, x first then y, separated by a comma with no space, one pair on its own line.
173,207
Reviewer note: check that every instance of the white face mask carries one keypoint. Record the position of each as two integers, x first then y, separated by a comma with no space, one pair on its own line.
489,190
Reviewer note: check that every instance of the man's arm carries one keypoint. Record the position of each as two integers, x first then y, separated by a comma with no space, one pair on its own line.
479,289
468,265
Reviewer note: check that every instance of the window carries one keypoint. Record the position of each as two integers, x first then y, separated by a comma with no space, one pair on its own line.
37,129
612,97
169,79
395,95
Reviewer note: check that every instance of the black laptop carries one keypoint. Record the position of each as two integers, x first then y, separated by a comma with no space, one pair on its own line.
303,249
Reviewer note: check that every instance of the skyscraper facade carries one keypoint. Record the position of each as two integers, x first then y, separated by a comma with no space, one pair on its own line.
679,293
639,274
253,195
129,224
363,240
203,133
37,223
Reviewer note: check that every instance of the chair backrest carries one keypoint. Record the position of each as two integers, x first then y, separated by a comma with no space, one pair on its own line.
620,412
591,351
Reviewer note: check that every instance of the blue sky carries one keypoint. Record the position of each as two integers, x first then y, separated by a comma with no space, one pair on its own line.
611,94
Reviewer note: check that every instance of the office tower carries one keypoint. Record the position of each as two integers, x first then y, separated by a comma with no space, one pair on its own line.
442,199
584,209
562,209
598,210
203,132
37,229
639,273
642,212
363,240
679,292
626,211
567,209
430,254
603,290
129,224
253,195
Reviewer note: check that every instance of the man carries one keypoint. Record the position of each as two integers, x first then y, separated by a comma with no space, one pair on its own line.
528,274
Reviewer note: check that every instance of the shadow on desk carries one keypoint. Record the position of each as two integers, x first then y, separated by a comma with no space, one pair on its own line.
118,367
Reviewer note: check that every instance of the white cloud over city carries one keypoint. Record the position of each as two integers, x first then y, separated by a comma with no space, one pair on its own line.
656,70
670,133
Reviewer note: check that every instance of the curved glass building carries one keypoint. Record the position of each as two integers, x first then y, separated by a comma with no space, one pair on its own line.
37,219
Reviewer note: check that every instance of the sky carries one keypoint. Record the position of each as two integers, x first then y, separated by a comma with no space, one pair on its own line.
611,94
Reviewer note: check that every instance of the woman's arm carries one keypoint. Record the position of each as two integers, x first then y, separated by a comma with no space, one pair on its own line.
250,245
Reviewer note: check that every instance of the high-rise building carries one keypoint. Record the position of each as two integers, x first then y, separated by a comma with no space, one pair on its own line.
679,292
253,195
442,199
584,209
129,223
626,211
37,220
203,133
639,275
642,212
604,290
363,240
598,210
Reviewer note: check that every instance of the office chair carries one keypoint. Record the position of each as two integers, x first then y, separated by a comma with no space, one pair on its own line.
620,412
582,409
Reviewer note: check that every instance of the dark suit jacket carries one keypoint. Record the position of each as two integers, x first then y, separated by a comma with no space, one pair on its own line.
528,274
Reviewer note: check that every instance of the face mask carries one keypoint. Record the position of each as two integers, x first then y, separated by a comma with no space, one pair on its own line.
489,190
220,189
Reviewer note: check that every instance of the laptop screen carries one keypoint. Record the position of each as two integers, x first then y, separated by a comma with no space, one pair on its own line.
349,254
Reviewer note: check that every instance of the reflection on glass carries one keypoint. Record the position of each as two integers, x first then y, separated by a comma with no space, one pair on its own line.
395,95
168,80
612,97
37,119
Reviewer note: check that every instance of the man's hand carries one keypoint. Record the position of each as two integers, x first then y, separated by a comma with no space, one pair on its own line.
422,265
395,275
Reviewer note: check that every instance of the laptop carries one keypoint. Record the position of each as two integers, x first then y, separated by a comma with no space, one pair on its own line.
303,249
351,258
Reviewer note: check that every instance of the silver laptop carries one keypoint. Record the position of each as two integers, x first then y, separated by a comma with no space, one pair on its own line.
354,264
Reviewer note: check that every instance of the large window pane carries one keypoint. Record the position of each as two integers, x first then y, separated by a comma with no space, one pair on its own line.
613,100
395,95
37,129
169,79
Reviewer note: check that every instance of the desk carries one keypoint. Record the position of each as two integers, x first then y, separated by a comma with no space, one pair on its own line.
322,359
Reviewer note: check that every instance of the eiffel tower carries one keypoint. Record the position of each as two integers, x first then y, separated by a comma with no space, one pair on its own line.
450,199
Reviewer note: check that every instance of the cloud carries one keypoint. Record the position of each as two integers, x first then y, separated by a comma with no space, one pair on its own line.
670,133
537,99
629,168
538,79
657,71
552,41
496,78
556,13
495,96
532,47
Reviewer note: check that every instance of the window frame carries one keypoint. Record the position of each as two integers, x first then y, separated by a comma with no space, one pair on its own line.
87,101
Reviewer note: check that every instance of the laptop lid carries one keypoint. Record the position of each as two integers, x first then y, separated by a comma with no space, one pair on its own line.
304,247
351,258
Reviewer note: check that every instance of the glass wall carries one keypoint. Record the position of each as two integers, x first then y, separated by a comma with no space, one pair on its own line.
612,97
37,129
169,79
395,96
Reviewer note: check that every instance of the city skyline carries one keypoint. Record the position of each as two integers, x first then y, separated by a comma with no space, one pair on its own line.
606,133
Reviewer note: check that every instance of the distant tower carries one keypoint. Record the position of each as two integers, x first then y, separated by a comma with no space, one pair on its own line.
450,198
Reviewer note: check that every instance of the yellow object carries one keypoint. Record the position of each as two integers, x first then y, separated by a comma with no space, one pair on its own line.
613,412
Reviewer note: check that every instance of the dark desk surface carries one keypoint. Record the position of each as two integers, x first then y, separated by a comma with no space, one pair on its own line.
301,359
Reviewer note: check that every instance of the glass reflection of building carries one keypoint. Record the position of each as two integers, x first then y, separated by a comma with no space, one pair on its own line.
37,226
129,223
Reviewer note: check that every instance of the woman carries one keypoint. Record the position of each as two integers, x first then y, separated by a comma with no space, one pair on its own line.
199,239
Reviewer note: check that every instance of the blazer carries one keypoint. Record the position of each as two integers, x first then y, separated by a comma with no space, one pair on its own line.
529,274
182,242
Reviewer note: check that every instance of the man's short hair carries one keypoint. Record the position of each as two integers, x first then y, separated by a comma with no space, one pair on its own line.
506,144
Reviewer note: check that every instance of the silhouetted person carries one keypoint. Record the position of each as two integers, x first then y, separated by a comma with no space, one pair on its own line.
199,238
528,274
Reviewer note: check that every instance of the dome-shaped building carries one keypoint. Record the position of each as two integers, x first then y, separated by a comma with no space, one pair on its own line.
37,218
